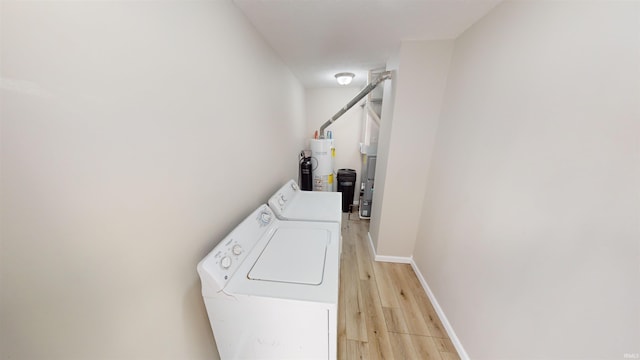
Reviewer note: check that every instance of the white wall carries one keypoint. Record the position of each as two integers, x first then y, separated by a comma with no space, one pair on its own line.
134,136
321,105
406,144
386,125
530,233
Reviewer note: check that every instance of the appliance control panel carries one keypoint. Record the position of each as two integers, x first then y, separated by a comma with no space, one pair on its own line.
221,263
280,200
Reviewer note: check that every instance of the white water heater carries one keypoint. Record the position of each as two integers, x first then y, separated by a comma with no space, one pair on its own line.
323,153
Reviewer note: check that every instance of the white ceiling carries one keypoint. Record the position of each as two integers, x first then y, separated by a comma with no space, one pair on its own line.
319,38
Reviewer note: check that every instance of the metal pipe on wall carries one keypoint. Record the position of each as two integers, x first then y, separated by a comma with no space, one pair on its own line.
383,76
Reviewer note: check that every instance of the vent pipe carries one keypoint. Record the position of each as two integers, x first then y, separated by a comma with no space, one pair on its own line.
383,76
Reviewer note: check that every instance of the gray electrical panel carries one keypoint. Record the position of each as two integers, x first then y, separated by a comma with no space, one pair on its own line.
366,185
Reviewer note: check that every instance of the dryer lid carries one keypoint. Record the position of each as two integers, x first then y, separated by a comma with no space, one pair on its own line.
293,255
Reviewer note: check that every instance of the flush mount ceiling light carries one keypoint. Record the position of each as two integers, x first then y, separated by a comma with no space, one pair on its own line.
344,78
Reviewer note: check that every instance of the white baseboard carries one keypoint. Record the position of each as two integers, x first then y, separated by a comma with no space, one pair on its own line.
443,318
394,259
384,258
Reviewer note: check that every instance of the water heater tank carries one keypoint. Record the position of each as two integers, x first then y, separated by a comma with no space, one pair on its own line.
323,151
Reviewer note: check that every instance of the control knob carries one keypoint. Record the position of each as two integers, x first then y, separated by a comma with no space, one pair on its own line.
265,218
225,262
236,250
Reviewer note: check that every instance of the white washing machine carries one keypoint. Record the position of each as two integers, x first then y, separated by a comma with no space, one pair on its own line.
271,289
291,203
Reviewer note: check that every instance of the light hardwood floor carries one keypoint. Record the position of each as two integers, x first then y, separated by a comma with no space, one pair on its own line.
383,311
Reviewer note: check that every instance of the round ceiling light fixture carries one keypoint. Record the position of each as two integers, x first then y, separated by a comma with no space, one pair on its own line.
344,78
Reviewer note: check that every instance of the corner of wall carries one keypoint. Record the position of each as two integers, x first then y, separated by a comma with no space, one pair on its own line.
386,118
406,147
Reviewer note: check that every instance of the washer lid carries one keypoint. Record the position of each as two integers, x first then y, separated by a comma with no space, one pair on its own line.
293,255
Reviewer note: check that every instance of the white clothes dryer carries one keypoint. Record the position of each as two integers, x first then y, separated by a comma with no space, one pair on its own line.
291,203
270,288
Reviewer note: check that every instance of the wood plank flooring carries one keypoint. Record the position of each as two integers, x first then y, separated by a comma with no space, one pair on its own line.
383,311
